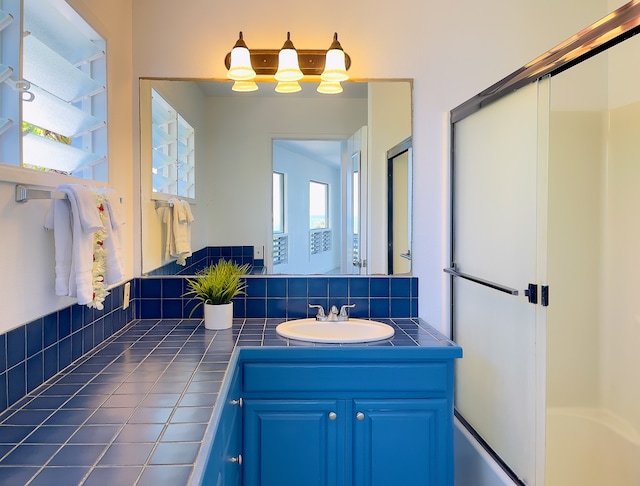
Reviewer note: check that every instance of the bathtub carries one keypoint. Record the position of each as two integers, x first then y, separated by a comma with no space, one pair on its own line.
590,447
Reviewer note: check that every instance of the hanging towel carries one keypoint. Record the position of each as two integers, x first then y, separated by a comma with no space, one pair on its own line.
74,221
166,218
113,221
59,220
182,219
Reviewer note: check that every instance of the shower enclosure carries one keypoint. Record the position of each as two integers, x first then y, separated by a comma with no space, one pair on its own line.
546,236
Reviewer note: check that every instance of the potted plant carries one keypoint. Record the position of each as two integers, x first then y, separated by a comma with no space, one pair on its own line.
215,286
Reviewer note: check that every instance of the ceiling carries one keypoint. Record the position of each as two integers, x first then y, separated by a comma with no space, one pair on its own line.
328,152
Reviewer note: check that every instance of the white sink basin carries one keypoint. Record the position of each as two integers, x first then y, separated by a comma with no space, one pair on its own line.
351,331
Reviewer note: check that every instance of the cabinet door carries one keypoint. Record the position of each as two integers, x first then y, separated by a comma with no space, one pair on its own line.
403,442
293,442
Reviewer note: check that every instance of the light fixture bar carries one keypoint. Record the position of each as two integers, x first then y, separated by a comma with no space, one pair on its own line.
265,61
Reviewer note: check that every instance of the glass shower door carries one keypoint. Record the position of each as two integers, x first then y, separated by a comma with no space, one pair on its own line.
499,211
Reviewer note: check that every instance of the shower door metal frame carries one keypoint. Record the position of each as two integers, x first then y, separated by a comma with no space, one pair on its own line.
616,27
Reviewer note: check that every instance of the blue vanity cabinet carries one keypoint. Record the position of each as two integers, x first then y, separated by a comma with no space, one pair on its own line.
400,442
347,417
222,445
294,442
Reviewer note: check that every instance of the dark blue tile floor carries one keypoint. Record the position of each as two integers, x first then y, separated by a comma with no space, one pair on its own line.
135,409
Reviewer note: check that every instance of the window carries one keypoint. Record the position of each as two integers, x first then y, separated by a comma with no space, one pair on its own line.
318,205
280,248
278,202
62,95
173,140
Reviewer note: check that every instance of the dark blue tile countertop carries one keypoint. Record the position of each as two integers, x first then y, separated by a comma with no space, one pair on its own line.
134,411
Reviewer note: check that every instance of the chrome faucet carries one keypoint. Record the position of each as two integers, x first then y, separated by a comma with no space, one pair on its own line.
334,314
320,316
344,316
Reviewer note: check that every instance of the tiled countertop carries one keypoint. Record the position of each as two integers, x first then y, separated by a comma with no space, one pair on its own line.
134,411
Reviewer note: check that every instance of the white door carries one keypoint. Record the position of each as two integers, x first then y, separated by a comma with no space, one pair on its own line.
356,179
499,232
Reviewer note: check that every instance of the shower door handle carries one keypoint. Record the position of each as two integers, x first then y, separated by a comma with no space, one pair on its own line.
481,281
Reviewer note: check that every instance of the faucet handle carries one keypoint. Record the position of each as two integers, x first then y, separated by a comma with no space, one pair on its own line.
343,309
320,316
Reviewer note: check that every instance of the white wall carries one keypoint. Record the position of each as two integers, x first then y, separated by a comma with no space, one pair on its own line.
452,50
389,124
443,46
27,266
236,181
619,332
576,196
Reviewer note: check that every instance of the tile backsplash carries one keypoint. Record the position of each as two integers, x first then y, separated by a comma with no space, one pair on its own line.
289,297
34,352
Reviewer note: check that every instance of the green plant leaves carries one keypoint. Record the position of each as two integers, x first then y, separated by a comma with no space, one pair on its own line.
218,283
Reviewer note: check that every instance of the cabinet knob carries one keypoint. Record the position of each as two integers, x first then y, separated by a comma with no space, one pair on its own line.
333,415
237,459
359,416
237,402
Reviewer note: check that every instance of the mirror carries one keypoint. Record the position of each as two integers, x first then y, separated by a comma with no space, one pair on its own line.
332,145
399,213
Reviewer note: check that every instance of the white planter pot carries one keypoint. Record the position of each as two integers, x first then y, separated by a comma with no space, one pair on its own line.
218,316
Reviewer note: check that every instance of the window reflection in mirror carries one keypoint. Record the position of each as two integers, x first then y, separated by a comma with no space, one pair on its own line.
236,207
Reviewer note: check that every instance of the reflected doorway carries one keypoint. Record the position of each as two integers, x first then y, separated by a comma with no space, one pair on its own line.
399,210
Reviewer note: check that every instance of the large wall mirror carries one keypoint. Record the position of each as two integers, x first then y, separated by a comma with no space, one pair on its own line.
293,183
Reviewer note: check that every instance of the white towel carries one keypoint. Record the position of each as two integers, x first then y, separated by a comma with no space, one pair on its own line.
182,235
113,219
166,218
74,221
59,220
182,219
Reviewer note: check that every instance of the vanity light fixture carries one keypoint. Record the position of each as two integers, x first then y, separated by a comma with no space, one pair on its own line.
244,86
288,65
329,87
335,69
288,87
239,68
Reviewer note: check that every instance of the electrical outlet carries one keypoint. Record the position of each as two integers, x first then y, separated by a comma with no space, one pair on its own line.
258,252
127,295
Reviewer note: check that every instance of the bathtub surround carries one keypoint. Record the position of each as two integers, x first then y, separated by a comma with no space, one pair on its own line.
33,353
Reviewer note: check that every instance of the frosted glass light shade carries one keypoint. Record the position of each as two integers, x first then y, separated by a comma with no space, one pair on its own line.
288,87
329,87
288,67
334,68
244,86
240,68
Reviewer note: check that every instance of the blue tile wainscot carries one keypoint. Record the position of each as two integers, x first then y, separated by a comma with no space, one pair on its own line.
156,402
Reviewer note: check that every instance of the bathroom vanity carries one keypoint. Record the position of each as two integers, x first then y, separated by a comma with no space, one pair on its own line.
333,416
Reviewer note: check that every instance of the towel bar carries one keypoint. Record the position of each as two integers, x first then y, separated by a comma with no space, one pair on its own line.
24,193
163,204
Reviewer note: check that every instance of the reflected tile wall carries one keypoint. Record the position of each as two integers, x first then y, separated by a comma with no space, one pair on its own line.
207,256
